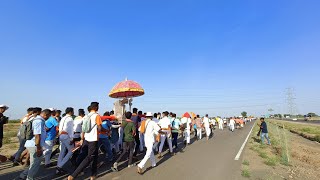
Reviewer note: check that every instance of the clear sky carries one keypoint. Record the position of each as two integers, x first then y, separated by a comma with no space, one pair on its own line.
217,57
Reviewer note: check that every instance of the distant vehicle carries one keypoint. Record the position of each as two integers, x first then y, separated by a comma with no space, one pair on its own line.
295,119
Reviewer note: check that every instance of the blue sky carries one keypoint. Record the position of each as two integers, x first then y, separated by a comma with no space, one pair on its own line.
216,57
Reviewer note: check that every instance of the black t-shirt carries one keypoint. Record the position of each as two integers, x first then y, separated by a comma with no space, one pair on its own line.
1,125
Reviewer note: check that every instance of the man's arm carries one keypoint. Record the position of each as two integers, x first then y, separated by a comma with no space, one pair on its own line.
38,145
99,123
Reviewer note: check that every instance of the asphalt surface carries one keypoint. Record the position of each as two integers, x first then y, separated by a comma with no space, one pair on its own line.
202,160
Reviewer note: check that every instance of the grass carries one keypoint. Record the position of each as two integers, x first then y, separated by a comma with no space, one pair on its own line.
246,173
14,121
6,140
271,161
246,163
303,129
263,154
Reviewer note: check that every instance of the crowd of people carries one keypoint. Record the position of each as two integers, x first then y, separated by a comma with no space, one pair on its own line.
82,138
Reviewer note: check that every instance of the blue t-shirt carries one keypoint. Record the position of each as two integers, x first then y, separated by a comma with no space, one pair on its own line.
264,128
176,123
51,124
105,125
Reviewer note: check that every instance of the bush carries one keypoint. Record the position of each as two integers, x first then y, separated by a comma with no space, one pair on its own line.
271,162
246,163
14,121
246,173
263,155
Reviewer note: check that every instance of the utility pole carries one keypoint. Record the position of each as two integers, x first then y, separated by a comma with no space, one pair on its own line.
290,99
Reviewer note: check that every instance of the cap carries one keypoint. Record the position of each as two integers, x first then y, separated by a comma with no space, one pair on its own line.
149,114
4,106
52,109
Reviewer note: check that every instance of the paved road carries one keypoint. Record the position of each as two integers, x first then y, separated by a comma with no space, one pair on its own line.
203,160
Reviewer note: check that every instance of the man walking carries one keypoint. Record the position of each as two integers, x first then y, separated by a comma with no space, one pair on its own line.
232,124
151,129
199,125
175,131
35,143
92,125
264,131
50,125
22,141
206,123
220,121
136,120
66,139
165,126
129,130
187,123
105,135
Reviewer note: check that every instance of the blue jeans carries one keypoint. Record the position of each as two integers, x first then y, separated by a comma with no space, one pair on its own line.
265,135
21,149
106,143
35,163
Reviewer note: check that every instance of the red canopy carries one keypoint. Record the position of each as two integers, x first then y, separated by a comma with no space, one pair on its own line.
186,115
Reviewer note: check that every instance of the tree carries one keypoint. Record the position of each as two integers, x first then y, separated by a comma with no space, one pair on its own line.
244,114
312,114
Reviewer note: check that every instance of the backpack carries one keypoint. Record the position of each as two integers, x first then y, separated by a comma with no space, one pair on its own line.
26,131
86,124
144,126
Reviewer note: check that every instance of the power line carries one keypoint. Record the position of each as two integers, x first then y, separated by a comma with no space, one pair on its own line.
290,99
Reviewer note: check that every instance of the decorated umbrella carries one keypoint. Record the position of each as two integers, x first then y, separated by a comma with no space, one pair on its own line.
126,90
186,115
193,115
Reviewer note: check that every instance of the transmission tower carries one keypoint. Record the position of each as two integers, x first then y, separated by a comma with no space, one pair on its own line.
290,99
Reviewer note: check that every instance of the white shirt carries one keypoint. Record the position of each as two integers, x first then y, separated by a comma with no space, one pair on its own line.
156,120
93,135
38,127
152,130
187,121
206,122
66,125
232,122
77,126
165,122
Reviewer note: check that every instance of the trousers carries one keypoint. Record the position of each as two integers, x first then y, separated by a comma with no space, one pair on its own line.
22,142
48,146
163,138
127,147
64,146
187,135
91,158
199,133
149,155
35,163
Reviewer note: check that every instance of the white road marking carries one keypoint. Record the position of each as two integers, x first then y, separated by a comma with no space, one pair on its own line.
243,145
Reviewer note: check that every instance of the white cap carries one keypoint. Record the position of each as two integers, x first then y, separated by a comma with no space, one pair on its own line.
52,109
149,114
4,106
